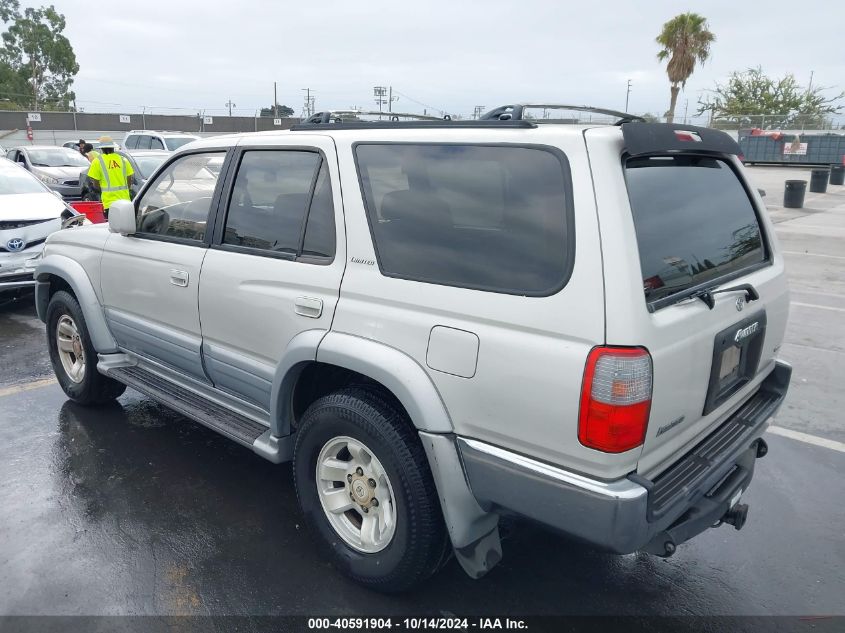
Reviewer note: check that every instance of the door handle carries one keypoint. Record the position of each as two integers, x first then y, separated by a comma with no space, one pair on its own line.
308,307
179,277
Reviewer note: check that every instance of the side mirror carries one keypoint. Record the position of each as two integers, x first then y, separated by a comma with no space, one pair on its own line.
122,217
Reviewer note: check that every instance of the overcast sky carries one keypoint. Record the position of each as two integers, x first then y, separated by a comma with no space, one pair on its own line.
448,55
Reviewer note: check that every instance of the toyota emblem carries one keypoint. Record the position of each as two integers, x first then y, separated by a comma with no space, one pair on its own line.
740,303
15,244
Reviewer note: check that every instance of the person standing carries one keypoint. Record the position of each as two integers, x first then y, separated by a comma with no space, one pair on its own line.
111,174
81,145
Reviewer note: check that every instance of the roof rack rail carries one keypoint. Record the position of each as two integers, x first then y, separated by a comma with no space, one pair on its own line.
339,116
335,119
514,112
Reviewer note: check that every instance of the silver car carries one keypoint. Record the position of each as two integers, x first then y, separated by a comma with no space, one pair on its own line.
29,212
56,167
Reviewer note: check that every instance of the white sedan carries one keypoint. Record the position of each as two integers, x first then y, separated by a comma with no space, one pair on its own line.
29,212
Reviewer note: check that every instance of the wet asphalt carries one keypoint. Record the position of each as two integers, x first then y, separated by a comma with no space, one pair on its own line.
131,509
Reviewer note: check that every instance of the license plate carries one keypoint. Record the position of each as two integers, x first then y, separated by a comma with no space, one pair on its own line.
730,362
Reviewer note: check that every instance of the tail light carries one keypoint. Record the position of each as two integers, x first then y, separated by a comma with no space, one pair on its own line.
615,399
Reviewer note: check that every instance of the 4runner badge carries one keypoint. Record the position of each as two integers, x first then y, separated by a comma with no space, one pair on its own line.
745,332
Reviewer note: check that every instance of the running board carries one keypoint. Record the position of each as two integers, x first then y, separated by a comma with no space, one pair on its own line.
237,427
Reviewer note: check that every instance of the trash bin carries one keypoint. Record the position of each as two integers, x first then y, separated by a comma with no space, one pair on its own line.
837,174
793,194
818,180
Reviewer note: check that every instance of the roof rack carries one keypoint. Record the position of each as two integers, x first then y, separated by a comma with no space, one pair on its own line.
514,112
339,116
349,120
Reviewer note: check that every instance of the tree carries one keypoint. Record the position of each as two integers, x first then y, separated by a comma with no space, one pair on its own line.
37,62
684,40
753,99
284,111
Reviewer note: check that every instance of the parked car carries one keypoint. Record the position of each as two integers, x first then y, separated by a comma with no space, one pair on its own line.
144,163
29,213
575,324
56,167
151,139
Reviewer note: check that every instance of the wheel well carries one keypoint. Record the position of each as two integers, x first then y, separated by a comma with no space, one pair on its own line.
320,379
57,283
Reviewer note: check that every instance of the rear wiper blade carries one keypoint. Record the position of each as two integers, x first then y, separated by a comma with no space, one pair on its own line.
706,294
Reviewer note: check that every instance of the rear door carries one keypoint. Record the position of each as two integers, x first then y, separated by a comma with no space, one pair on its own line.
674,225
275,266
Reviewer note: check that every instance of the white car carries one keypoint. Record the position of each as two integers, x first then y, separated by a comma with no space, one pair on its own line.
29,212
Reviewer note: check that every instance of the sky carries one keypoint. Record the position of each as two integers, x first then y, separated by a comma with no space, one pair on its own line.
184,56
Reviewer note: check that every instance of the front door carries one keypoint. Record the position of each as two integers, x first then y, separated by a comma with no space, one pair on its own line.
150,280
275,266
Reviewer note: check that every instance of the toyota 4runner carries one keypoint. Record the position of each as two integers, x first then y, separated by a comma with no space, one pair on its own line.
441,323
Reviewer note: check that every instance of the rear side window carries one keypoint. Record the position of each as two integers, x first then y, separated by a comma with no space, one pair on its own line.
272,201
694,221
493,218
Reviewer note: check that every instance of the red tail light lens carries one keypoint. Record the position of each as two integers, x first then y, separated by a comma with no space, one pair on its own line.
615,399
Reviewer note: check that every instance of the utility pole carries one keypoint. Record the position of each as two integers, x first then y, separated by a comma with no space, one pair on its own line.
477,111
275,102
230,105
627,95
810,86
308,107
686,107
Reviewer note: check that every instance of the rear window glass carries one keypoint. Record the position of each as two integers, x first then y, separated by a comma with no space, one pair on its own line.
485,217
694,222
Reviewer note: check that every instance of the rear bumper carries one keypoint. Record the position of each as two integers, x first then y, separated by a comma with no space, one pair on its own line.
634,513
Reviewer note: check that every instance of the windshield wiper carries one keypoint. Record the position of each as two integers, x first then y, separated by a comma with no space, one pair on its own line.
706,294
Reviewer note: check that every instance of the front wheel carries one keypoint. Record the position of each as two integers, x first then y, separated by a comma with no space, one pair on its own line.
73,356
363,483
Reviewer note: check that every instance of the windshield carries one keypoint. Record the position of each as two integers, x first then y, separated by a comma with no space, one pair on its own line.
56,157
148,164
14,181
175,142
694,222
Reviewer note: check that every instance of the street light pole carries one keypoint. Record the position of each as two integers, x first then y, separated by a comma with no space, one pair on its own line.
627,95
230,105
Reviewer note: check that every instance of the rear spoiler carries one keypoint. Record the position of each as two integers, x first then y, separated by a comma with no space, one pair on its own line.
643,139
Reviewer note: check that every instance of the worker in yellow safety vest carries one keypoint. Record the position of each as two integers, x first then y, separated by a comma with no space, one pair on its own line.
112,174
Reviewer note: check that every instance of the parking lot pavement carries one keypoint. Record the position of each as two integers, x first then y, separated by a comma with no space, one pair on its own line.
131,509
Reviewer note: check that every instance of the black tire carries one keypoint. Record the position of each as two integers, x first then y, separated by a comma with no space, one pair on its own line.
419,545
93,388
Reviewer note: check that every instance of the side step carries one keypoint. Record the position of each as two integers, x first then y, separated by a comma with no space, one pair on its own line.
210,414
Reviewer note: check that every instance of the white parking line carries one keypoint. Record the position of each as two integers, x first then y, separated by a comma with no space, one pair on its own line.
813,254
807,438
814,305
29,386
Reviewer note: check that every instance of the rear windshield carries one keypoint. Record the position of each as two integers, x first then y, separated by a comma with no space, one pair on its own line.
492,218
694,222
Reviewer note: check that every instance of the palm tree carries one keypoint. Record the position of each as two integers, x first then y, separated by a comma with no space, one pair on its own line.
685,40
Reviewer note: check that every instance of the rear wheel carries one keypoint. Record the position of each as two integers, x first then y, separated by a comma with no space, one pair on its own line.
363,483
73,356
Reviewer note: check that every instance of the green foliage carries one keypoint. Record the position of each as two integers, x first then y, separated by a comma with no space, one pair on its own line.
753,99
684,40
37,62
284,111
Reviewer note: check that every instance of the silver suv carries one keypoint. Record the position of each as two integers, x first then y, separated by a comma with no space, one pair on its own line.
441,323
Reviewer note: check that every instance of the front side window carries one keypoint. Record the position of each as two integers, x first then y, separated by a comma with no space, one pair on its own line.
694,222
493,218
177,204
272,201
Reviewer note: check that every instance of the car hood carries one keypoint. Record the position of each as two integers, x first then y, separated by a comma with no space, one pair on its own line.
58,172
30,206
